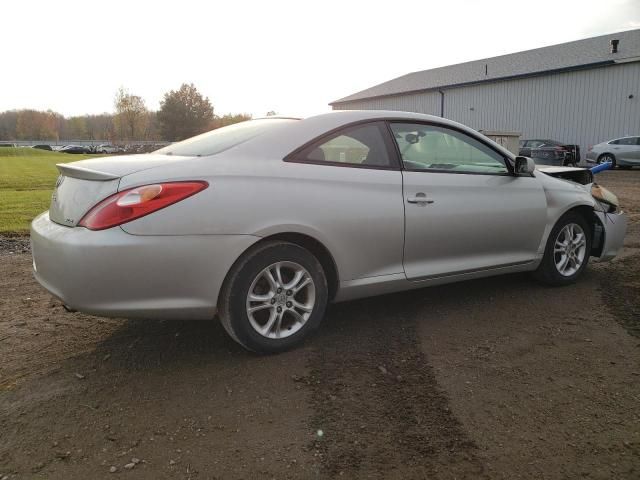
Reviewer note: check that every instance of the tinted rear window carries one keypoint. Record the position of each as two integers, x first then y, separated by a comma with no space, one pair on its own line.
224,138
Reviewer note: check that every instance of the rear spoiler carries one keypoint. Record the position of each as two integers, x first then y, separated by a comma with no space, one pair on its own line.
84,173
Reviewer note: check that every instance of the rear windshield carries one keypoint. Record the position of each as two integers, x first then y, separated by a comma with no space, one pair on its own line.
223,138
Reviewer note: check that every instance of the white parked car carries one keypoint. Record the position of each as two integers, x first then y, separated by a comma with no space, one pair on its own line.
266,221
105,148
621,152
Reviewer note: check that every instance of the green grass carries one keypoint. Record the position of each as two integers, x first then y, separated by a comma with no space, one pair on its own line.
27,178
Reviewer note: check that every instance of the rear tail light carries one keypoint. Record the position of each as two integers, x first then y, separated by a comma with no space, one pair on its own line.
137,202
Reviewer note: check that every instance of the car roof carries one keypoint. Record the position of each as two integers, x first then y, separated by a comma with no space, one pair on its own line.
289,136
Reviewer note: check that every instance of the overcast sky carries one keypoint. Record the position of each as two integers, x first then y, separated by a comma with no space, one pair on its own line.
255,56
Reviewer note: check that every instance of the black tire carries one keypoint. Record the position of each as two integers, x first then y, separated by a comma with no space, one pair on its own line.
608,157
232,303
547,271
570,161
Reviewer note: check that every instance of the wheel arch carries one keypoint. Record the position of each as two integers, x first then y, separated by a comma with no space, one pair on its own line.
318,250
313,245
597,231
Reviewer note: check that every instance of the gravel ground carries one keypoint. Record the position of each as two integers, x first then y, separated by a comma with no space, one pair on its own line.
499,378
14,245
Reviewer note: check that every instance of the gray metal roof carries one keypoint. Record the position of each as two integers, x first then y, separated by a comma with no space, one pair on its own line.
586,53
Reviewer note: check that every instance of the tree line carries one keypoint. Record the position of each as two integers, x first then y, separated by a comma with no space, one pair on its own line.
183,113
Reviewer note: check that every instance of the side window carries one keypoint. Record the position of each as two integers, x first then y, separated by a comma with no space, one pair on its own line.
362,145
615,142
535,143
427,147
626,141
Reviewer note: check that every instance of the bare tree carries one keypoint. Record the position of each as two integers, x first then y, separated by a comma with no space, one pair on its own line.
131,115
35,125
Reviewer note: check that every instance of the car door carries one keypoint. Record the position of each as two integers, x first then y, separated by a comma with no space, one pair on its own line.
635,152
628,149
464,210
347,186
624,148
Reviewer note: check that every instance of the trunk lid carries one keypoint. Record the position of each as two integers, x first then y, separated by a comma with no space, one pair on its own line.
81,185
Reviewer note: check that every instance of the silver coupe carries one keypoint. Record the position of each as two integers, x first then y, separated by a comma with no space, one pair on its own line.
267,221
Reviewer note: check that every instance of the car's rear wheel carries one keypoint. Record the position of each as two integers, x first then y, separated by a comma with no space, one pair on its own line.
570,161
607,158
273,297
567,252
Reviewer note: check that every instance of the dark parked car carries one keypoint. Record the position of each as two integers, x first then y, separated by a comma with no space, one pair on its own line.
43,147
73,149
550,152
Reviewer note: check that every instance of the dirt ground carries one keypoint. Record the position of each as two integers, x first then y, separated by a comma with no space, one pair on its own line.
499,378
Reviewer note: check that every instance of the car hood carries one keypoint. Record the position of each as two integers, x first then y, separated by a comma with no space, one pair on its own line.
109,168
583,176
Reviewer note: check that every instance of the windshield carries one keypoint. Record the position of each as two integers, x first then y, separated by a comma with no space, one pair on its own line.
221,139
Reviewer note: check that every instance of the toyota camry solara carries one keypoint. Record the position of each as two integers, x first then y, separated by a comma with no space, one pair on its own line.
265,222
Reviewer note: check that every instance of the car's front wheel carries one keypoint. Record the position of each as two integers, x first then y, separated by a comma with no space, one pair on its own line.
273,297
567,252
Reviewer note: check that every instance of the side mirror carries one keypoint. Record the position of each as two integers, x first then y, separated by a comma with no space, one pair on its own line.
524,165
412,138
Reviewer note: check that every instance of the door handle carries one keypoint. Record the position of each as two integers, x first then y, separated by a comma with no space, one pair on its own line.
420,199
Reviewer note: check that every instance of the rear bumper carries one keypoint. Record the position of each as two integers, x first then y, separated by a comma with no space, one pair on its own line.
615,228
115,274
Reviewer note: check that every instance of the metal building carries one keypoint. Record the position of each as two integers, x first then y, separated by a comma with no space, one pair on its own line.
581,92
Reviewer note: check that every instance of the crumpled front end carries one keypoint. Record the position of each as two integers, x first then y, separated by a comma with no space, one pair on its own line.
612,229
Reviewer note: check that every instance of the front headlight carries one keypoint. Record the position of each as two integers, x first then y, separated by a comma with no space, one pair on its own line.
606,200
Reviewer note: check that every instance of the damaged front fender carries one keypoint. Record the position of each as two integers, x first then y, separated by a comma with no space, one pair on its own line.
612,229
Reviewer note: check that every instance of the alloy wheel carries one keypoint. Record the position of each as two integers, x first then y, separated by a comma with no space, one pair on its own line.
280,300
570,249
